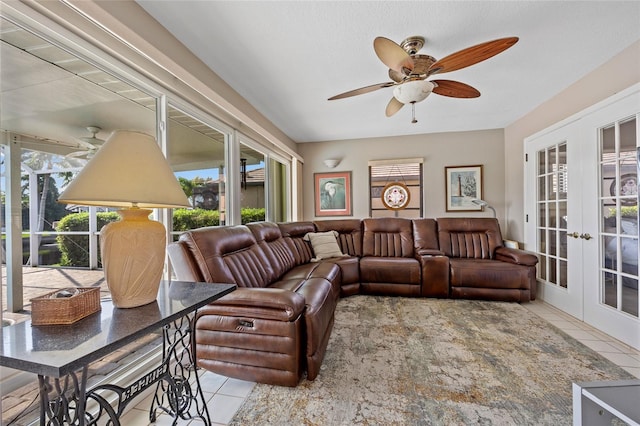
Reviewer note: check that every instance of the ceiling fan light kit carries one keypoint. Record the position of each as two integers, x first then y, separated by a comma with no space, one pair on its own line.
413,91
409,71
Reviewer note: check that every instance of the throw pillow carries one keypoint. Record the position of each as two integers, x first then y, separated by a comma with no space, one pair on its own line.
324,244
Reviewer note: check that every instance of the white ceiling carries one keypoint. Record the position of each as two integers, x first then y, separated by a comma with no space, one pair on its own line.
287,58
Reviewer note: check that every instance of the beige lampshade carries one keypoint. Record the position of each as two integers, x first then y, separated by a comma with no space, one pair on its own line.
129,169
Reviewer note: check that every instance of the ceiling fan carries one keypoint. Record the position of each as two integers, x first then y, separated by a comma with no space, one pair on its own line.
89,145
409,71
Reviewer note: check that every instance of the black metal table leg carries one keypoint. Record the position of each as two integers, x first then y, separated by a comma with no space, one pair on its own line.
175,394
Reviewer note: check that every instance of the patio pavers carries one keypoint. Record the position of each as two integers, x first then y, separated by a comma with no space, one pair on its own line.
37,281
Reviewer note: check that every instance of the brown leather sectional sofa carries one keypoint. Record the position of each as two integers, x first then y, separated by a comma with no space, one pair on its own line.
277,324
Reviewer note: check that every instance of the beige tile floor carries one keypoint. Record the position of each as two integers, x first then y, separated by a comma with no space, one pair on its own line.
224,397
612,349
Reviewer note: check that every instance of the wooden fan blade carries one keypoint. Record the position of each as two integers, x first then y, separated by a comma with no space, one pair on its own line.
472,55
454,89
393,106
393,55
362,90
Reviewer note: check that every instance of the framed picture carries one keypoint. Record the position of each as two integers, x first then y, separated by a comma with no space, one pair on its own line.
332,193
463,184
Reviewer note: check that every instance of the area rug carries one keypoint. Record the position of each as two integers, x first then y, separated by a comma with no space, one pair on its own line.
401,361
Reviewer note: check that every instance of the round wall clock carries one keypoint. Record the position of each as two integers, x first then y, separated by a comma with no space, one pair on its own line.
395,196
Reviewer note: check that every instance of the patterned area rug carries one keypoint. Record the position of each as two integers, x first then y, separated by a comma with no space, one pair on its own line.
435,362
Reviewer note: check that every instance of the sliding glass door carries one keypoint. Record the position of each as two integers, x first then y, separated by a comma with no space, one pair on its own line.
197,154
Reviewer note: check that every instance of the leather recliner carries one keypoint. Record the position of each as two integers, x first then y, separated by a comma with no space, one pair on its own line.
277,324
480,266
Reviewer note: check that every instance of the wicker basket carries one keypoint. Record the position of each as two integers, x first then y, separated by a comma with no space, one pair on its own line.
48,310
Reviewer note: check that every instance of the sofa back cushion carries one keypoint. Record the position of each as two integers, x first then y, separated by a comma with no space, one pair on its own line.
293,234
474,238
425,235
228,254
349,234
269,239
388,237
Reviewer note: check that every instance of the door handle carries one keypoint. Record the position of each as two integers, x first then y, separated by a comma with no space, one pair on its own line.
585,236
574,235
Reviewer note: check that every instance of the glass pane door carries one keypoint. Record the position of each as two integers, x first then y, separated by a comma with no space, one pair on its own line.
619,216
610,222
586,207
554,202
551,228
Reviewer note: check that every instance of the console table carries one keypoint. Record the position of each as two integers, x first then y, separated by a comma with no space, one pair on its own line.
60,356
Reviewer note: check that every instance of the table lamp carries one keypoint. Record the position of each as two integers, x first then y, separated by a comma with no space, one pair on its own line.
130,172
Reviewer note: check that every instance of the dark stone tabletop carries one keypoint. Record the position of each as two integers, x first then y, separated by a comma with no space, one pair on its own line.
56,350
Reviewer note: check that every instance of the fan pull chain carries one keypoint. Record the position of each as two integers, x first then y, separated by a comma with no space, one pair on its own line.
413,113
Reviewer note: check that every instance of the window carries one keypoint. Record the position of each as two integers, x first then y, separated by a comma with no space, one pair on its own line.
252,184
196,153
278,191
407,175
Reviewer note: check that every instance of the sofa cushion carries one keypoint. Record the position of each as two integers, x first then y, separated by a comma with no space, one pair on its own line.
388,237
324,245
269,239
400,270
475,238
293,234
350,267
228,254
484,273
349,234
294,279
350,242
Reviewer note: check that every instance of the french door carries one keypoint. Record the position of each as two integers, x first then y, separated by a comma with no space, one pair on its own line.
582,214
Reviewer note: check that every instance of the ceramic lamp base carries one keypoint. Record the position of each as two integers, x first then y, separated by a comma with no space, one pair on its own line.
133,254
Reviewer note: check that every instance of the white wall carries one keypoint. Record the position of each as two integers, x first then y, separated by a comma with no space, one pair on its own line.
622,71
484,147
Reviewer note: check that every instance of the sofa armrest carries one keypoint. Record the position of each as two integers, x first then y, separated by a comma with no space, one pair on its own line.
260,303
434,267
516,256
182,263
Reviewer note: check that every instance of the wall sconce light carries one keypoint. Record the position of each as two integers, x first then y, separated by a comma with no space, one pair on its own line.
331,162
479,202
130,172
